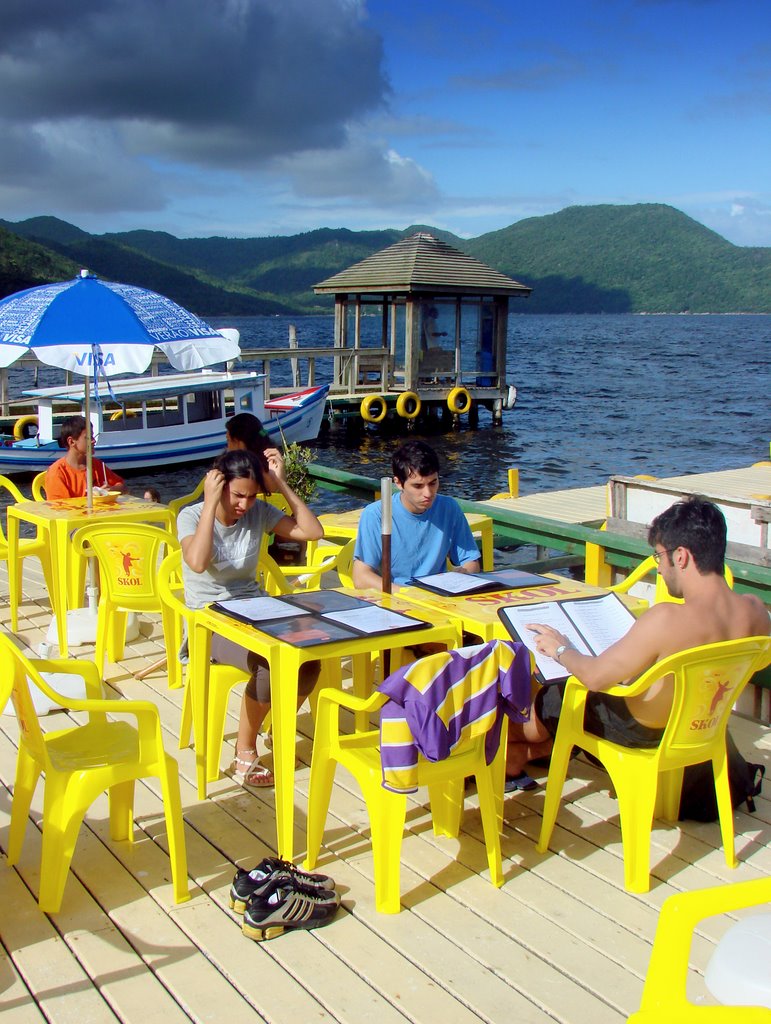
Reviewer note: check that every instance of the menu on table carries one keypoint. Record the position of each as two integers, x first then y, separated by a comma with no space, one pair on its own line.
591,625
461,584
318,617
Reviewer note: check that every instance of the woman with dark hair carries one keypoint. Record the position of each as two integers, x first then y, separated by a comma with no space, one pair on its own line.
245,432
221,539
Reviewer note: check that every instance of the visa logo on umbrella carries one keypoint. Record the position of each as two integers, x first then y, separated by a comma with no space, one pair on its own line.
87,359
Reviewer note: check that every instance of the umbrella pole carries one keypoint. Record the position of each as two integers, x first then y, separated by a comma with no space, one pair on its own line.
91,586
89,448
385,564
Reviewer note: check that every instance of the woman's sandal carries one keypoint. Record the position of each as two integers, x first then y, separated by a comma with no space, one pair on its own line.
251,772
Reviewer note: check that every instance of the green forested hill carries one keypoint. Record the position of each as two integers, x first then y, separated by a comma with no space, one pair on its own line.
24,264
117,262
642,258
612,259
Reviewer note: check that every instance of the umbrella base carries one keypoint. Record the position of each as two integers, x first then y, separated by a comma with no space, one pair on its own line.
64,683
81,628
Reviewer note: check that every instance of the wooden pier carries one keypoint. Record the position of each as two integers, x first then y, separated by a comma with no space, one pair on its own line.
561,941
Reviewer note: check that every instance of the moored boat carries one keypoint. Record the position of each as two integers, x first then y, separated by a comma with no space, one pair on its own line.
170,419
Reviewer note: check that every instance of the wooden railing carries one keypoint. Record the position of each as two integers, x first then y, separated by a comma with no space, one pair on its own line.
352,370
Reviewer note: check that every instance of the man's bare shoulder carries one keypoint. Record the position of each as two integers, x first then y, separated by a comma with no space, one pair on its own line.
741,615
759,613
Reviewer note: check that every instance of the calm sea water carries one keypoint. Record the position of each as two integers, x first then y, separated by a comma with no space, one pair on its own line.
597,395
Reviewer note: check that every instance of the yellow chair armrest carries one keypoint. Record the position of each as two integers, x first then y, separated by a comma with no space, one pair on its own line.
645,568
308,575
12,488
348,700
177,504
140,708
87,670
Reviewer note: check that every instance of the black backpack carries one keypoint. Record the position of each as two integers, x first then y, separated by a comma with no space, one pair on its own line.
697,797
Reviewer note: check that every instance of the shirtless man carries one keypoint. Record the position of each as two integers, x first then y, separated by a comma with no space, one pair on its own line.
689,541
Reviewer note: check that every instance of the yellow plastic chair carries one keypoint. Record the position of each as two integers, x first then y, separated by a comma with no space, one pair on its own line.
128,557
664,998
707,682
344,565
360,754
187,499
178,504
38,487
28,547
222,678
285,579
646,568
79,763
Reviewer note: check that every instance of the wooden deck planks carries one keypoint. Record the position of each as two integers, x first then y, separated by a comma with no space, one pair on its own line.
590,504
574,505
561,941
750,482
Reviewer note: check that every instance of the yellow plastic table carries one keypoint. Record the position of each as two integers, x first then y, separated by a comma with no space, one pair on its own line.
346,524
284,661
57,519
478,613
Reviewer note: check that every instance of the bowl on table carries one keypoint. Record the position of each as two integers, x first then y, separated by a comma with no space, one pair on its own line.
106,497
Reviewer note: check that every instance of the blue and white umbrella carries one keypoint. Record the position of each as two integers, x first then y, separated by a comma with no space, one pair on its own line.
100,328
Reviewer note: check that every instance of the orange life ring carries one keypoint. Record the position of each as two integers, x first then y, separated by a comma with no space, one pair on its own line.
120,413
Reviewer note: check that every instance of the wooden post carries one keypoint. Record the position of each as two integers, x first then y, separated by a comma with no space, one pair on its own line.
385,530
596,569
293,361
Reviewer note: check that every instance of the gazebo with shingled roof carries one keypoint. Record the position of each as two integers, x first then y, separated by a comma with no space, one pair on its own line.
444,319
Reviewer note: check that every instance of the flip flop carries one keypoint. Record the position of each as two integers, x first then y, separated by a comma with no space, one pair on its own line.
251,773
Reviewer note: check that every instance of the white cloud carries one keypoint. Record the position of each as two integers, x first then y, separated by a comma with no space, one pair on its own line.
362,171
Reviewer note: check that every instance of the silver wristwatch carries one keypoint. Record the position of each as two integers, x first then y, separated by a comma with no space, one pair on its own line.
560,651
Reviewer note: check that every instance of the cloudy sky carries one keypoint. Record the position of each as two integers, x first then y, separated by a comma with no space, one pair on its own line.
271,117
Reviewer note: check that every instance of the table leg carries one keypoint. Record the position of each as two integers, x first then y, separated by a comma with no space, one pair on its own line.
58,534
14,570
200,662
363,674
284,670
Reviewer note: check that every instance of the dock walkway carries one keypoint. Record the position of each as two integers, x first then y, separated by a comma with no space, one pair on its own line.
561,941
589,505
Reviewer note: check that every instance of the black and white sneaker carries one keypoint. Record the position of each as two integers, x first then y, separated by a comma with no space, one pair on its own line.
284,905
256,882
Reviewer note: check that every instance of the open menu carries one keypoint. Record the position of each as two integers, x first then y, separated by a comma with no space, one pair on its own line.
461,584
318,617
591,625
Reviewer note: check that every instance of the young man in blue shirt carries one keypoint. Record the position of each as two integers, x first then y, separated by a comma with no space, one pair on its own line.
427,527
